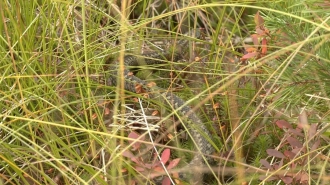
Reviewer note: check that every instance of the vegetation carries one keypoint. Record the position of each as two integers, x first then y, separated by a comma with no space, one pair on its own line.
265,100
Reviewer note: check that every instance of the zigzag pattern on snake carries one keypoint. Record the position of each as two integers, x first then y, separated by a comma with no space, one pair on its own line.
196,127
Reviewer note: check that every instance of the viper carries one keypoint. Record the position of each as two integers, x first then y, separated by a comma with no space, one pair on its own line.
197,130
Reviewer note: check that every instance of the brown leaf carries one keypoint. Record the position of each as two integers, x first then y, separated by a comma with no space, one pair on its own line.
260,31
251,49
289,154
283,124
130,74
128,154
287,180
170,136
154,113
139,169
296,150
94,116
303,120
268,178
138,88
216,105
146,95
275,153
135,100
315,145
265,164
304,178
151,84
312,131
131,156
295,143
296,132
264,46
106,111
258,20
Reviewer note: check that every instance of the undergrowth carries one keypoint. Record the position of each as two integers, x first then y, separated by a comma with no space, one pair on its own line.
264,97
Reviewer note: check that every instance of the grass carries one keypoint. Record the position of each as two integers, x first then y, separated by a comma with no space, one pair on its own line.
62,123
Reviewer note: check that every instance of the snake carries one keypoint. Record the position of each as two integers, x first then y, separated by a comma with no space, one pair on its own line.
197,129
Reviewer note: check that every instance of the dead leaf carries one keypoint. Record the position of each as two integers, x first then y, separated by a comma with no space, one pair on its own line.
251,50
154,113
94,116
135,100
170,136
151,84
258,20
106,111
216,105
138,88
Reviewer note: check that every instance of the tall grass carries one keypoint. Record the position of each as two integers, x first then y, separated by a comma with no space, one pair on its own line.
61,122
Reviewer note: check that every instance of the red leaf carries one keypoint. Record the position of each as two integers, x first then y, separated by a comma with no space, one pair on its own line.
255,39
296,132
158,169
250,49
283,124
289,154
296,150
136,145
151,165
304,178
315,145
287,180
165,155
139,168
268,178
249,55
166,181
128,154
264,46
303,119
131,156
281,163
265,164
275,153
173,163
295,143
312,131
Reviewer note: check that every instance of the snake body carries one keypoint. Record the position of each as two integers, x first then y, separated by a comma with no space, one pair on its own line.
198,131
